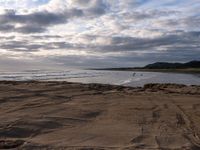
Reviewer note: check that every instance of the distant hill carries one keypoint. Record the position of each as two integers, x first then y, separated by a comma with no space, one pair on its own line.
189,67
165,65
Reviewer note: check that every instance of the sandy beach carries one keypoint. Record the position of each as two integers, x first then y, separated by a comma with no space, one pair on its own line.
62,115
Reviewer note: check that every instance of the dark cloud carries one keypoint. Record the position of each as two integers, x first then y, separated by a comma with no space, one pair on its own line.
93,7
28,46
180,41
184,39
35,22
38,18
147,14
189,23
30,29
17,46
6,27
99,7
133,3
38,22
46,36
81,2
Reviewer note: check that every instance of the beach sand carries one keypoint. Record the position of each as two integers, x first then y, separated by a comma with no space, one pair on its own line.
61,115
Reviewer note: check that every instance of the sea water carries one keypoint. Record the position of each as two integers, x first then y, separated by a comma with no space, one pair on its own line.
125,78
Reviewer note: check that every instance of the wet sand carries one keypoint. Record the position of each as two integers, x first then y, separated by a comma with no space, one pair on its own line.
61,115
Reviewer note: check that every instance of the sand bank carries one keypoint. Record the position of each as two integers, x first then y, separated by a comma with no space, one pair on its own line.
61,115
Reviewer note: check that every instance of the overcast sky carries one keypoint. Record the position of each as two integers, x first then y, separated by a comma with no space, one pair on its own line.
97,33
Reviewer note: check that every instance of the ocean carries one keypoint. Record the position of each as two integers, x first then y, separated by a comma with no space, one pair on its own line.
125,78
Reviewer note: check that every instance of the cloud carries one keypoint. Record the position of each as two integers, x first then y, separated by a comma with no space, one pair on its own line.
100,32
171,42
188,23
6,27
94,7
36,21
98,7
39,21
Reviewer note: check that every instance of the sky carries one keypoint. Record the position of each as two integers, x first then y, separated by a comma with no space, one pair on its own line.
97,33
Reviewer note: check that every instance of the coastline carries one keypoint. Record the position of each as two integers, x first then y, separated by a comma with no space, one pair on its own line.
188,71
63,115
